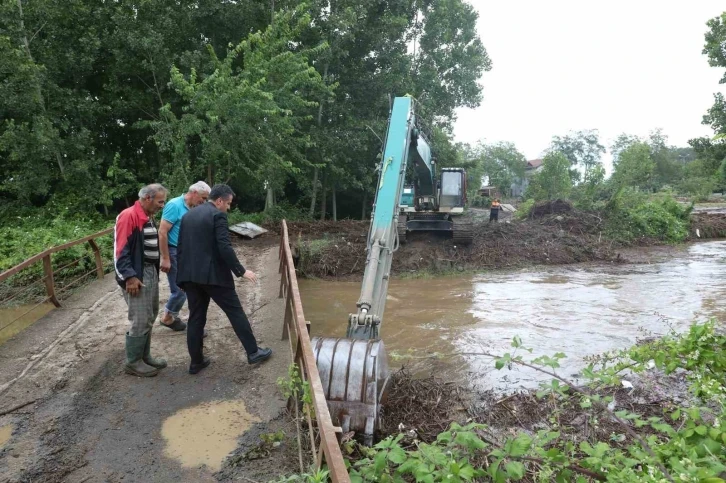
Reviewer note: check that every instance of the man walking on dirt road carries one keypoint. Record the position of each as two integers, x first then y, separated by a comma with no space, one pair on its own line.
136,261
168,240
206,264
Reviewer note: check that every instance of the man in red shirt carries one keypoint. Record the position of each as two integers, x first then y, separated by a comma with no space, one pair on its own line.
136,262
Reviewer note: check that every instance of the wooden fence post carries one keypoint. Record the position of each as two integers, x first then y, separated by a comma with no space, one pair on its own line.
99,260
49,285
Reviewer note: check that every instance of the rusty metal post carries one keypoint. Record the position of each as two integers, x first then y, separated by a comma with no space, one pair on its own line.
49,285
99,260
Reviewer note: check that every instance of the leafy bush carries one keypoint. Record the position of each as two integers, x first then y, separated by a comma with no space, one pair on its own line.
524,209
479,201
699,188
687,442
30,235
633,215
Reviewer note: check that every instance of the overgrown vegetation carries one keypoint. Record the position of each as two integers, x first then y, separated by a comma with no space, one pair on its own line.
680,441
26,236
632,215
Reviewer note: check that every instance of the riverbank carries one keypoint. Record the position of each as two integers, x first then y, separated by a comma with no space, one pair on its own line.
336,250
654,412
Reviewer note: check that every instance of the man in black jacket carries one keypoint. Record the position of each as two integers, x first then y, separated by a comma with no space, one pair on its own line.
206,263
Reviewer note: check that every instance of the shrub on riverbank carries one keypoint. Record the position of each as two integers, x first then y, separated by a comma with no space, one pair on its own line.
600,431
633,216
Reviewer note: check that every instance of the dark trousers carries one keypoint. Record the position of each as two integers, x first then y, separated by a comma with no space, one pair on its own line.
198,296
494,215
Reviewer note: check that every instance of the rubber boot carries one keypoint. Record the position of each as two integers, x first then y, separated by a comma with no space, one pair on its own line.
152,361
134,357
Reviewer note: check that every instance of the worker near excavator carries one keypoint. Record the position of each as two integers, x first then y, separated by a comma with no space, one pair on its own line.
494,212
136,262
168,241
207,262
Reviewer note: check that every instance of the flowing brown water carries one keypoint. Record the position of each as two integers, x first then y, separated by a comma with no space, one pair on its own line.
577,310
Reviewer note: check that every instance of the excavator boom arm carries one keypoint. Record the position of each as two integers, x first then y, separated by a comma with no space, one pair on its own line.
403,142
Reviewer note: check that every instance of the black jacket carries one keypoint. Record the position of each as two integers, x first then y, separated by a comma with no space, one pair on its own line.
204,252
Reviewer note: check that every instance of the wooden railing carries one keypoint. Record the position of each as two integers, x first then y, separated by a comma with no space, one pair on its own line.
326,447
52,294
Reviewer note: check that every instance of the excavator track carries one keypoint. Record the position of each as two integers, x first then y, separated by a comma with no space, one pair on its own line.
463,233
402,228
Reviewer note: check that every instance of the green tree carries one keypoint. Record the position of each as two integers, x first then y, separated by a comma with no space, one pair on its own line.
582,149
636,168
245,121
715,49
621,143
503,164
667,165
449,59
553,181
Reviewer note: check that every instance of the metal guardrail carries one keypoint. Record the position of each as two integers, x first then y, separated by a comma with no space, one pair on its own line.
296,330
53,294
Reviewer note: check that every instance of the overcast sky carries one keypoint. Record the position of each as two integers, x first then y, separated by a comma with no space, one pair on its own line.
616,66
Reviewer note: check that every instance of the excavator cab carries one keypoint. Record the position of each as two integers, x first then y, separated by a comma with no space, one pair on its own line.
407,198
438,206
452,193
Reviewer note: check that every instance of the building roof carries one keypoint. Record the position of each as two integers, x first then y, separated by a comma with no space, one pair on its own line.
534,164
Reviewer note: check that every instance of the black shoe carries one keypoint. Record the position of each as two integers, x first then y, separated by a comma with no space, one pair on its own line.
176,325
195,368
259,356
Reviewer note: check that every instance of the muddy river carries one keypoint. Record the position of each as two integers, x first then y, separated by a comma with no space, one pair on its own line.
579,310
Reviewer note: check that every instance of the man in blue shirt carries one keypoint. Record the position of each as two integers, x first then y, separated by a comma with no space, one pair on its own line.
168,240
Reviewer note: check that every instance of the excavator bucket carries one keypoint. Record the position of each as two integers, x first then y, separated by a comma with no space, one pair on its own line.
354,373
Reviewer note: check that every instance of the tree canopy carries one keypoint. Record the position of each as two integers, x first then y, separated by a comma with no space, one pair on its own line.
285,101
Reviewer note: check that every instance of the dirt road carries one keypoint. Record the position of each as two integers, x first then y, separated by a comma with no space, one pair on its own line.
89,421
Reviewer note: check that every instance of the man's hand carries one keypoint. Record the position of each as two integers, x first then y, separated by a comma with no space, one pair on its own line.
165,265
133,286
250,275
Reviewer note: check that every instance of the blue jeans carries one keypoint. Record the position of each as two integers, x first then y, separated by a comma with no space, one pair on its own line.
178,297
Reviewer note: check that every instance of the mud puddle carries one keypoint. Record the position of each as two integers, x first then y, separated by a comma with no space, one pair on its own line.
5,433
206,434
578,310
14,320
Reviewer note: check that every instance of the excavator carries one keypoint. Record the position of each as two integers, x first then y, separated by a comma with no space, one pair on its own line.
354,369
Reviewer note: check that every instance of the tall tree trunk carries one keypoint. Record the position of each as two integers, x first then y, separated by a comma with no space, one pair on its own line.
323,204
320,123
365,205
210,175
315,192
335,204
269,199
38,91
